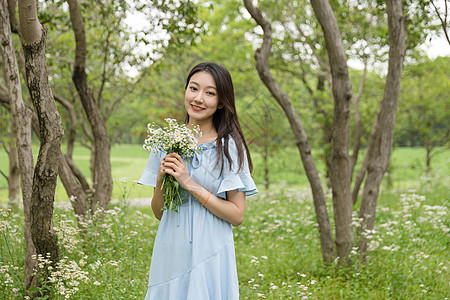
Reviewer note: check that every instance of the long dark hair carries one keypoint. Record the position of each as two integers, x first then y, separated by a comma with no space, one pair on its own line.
225,119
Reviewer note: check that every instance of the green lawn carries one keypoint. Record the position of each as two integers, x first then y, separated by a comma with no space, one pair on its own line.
128,161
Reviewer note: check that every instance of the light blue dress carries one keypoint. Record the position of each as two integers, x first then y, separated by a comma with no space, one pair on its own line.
193,255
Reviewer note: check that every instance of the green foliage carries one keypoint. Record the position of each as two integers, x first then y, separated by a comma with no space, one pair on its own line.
116,52
421,21
423,118
424,104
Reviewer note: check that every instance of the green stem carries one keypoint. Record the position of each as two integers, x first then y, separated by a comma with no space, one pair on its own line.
172,197
9,250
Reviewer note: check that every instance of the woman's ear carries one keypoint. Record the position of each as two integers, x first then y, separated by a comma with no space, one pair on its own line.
220,106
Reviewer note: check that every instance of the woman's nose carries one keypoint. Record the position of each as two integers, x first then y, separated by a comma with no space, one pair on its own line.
198,96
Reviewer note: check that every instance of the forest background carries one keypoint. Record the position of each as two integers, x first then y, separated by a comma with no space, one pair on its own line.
136,75
138,56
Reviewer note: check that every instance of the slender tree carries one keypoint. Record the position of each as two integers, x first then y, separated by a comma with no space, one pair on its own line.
301,140
33,36
101,178
20,114
380,145
342,95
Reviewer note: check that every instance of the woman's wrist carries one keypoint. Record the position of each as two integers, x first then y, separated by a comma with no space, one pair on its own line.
189,185
196,190
207,198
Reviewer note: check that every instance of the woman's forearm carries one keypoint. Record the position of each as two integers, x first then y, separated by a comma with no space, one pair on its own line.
231,210
158,200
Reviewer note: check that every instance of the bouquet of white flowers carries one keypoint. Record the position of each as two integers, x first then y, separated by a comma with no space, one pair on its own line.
175,138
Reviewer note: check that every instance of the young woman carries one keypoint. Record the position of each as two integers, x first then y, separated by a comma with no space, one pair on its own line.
193,255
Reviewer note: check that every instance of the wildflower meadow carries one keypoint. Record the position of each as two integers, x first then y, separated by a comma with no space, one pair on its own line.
277,247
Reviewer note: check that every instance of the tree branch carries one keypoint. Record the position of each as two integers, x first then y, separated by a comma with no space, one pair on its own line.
262,57
358,122
4,175
443,22
103,75
12,4
355,101
73,123
4,147
31,29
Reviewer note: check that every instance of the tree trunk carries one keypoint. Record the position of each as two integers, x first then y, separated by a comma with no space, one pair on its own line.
266,149
102,179
22,117
358,122
74,182
342,94
362,172
73,124
381,145
325,125
266,166
77,193
46,170
428,149
14,169
262,55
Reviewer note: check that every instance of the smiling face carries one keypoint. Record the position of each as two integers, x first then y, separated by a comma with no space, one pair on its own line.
200,99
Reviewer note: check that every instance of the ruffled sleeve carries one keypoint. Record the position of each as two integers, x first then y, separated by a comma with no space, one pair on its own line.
231,179
151,171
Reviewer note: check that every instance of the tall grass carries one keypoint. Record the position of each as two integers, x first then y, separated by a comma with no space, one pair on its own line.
277,247
277,251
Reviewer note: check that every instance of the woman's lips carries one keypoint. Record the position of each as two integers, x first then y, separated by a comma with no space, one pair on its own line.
196,108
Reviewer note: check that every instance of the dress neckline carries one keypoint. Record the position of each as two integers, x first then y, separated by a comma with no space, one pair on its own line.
207,145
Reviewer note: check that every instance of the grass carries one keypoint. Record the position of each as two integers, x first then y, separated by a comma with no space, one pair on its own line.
277,251
128,161
277,246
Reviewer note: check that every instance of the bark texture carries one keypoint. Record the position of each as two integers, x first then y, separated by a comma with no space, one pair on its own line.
342,94
14,169
78,196
46,170
51,132
101,176
380,145
262,56
22,116
14,172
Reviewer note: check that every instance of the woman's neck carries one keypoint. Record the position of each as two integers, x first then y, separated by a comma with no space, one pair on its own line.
209,133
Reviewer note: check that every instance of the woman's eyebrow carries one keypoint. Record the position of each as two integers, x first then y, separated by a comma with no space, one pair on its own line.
213,87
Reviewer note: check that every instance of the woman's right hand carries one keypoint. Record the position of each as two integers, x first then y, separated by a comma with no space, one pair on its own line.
161,173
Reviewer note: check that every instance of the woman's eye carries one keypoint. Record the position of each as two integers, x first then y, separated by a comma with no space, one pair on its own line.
193,88
211,93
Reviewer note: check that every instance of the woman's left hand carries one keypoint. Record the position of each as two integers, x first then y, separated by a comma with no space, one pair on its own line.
173,164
